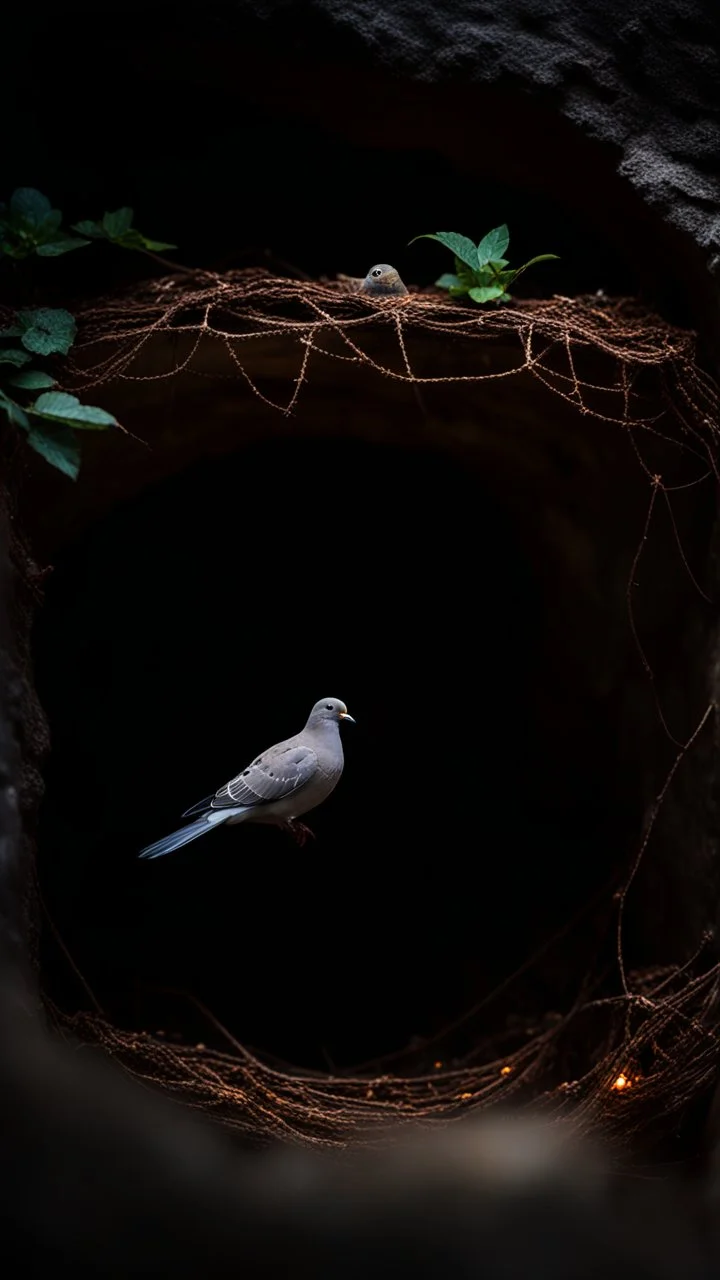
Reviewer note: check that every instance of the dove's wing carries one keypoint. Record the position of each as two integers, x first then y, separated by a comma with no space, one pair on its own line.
273,776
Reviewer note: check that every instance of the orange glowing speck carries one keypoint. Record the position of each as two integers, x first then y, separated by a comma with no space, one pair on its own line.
437,1065
622,1082
505,1071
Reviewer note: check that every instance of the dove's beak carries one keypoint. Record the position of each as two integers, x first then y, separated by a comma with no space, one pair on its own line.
345,715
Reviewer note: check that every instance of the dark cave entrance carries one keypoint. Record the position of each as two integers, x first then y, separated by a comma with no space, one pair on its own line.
483,806
466,568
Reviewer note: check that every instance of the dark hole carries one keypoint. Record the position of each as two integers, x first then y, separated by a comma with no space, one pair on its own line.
440,862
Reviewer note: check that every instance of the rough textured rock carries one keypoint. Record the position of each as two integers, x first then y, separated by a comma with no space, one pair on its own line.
642,77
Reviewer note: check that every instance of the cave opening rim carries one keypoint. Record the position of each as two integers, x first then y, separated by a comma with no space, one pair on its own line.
63,1019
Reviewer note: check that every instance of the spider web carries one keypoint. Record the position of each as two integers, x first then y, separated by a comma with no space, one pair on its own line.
651,1048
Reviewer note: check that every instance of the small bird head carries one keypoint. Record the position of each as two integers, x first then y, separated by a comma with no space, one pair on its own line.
329,709
383,279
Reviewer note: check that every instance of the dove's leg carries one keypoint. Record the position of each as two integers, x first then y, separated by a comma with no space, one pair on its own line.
298,831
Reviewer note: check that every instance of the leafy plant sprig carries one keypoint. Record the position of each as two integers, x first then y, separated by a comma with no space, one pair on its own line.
29,225
49,422
118,229
481,271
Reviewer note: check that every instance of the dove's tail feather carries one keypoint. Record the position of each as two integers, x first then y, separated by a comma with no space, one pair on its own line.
185,834
201,807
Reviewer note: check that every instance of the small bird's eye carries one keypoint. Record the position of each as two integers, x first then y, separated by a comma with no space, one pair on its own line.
329,706
377,272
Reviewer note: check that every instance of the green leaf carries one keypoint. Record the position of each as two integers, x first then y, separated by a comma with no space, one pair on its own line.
493,245
52,221
134,239
30,205
16,250
57,444
486,293
448,281
157,246
117,223
48,330
92,229
499,264
542,257
14,412
31,379
11,355
463,248
66,408
484,275
53,248
466,277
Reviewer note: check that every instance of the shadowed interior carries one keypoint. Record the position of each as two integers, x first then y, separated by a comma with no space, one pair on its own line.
481,805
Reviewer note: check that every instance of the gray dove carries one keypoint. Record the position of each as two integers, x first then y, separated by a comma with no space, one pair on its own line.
289,779
383,281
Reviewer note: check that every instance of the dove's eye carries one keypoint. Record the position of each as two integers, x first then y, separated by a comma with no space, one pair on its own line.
329,706
377,272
